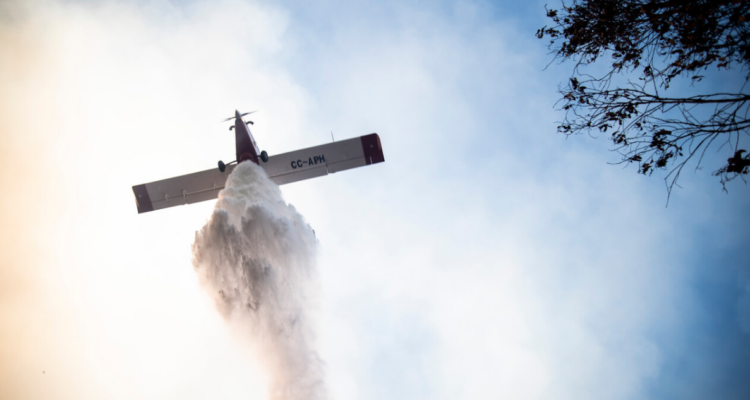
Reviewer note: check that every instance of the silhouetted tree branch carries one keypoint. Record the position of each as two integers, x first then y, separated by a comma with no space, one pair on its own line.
657,41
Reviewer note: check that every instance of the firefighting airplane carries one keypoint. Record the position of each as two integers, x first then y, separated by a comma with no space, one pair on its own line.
282,169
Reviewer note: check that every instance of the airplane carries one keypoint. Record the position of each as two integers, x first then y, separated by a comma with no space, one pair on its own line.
282,169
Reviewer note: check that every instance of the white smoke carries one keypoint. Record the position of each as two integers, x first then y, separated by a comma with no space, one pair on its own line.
256,259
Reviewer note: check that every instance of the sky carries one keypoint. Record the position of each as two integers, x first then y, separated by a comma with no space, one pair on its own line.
488,257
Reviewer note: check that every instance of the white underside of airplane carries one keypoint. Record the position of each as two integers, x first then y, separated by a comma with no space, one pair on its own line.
284,168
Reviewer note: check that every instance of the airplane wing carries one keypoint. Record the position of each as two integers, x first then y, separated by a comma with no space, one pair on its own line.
282,169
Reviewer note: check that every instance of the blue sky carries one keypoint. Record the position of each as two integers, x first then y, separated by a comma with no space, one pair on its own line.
487,257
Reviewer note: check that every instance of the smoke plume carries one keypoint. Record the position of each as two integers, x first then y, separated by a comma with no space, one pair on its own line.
256,258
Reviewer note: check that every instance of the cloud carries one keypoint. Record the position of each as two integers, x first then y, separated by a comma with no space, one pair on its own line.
487,257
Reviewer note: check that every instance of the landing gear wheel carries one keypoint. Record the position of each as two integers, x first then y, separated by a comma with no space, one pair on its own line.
222,167
264,156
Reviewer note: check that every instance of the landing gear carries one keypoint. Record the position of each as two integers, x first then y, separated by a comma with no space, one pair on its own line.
222,167
264,156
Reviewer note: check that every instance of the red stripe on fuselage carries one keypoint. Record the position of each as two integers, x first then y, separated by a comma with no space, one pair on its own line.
246,148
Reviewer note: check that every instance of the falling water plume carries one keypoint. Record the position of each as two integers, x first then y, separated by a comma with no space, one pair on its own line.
256,259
